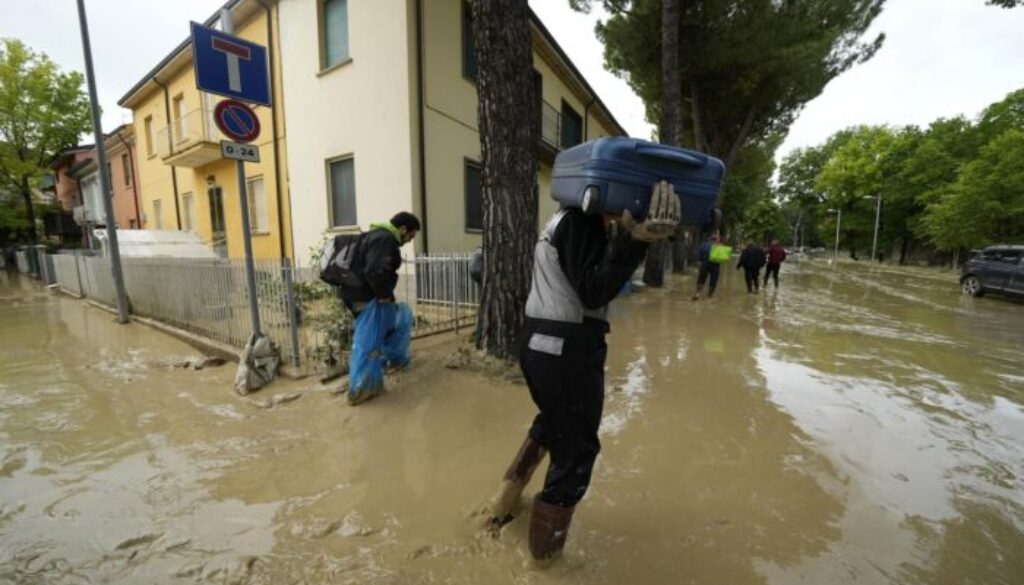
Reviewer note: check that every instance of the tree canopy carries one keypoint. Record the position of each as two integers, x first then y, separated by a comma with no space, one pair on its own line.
42,111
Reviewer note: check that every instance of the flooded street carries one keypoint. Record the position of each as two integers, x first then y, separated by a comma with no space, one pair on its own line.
857,426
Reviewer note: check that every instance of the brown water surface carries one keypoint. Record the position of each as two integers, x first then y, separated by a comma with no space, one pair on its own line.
857,426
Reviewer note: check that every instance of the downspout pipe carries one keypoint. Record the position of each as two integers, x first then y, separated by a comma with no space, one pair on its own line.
170,146
273,124
422,125
135,177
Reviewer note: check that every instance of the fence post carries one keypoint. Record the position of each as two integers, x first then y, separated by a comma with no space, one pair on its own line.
456,274
286,271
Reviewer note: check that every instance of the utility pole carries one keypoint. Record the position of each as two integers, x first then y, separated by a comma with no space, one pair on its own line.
101,159
839,221
226,25
878,215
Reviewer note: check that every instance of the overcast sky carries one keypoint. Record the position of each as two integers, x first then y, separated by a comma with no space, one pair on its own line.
941,58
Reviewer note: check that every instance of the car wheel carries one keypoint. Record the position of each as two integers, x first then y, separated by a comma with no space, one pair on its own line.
971,286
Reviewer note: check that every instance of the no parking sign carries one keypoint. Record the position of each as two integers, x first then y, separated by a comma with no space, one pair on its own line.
237,121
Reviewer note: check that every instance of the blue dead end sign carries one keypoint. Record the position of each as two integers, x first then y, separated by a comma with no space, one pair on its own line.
230,66
236,120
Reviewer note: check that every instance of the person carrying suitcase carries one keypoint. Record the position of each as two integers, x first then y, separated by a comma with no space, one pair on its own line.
776,256
751,260
580,264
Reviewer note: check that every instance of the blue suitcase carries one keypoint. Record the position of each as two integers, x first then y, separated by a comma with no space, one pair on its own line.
609,175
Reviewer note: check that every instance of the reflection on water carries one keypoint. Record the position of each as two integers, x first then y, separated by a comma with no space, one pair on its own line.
855,426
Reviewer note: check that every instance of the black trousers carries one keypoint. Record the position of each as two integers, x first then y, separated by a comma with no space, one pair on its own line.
753,278
773,271
708,271
565,372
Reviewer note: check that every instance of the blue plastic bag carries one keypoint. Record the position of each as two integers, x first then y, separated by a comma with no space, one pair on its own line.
382,335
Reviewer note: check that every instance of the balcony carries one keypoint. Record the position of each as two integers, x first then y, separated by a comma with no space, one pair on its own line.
190,141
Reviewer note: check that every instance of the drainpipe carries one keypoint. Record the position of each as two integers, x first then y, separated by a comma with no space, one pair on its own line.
135,183
273,125
422,125
170,146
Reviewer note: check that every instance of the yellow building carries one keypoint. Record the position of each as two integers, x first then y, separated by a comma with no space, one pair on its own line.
184,184
382,116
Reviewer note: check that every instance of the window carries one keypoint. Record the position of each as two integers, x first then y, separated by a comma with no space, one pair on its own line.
132,224
158,220
468,43
216,196
180,130
333,33
342,178
1008,256
126,166
188,201
149,136
572,126
257,206
474,198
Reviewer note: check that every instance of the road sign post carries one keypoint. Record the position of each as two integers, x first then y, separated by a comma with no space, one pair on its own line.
235,68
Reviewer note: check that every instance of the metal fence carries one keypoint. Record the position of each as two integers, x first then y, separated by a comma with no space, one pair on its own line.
304,317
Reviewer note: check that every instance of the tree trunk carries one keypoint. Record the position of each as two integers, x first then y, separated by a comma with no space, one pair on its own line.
679,250
508,154
904,249
30,212
740,140
671,116
700,143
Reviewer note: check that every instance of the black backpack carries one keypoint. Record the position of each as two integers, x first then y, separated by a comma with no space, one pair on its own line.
339,261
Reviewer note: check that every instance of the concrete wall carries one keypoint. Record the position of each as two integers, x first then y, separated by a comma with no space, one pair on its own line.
363,109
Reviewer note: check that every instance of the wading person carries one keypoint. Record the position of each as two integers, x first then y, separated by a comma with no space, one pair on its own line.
580,264
776,256
708,270
382,327
751,260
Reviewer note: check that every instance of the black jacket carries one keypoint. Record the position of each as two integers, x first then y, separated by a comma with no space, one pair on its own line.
596,262
752,258
377,262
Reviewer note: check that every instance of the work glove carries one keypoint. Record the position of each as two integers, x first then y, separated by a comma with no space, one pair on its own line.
662,215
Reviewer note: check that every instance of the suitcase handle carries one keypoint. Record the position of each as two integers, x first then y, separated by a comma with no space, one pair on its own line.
667,154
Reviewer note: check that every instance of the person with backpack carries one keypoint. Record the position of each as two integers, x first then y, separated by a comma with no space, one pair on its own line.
709,267
580,263
776,256
365,268
751,260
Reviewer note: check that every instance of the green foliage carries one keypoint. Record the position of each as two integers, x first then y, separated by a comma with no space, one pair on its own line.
986,204
1006,3
955,185
42,111
747,67
323,310
763,222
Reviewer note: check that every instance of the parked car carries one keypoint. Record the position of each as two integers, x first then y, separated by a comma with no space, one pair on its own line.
997,269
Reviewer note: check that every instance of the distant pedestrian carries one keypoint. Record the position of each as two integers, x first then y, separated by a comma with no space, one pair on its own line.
751,260
776,256
709,270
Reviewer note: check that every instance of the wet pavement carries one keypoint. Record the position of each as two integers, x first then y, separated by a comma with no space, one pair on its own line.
856,426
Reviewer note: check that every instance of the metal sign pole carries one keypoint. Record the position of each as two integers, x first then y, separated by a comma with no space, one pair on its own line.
101,157
250,270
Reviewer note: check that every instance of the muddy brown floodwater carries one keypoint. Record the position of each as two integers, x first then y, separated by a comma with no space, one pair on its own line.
857,426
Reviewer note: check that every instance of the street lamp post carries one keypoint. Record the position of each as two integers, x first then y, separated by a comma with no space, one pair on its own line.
839,221
878,215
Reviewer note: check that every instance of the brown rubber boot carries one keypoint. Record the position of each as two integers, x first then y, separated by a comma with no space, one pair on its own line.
549,527
516,477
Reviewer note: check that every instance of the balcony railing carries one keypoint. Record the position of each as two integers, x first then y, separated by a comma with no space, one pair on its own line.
191,140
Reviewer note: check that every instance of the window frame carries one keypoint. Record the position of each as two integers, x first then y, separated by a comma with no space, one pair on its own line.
254,227
331,224
188,204
158,214
467,164
321,25
150,139
567,107
126,167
